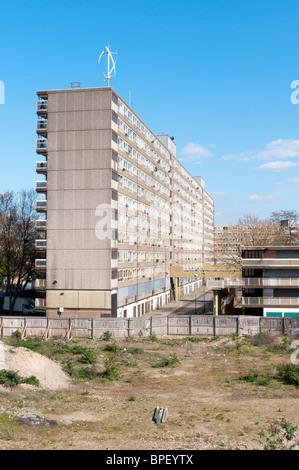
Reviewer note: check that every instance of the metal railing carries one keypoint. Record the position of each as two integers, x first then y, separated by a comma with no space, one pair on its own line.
252,301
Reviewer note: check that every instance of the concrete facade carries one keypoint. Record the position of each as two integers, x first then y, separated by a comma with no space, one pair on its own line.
270,280
117,208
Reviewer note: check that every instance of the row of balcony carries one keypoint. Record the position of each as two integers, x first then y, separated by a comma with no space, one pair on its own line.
262,282
266,301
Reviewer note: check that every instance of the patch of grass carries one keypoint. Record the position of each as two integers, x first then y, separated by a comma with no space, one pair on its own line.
289,374
7,427
10,378
168,361
254,376
133,350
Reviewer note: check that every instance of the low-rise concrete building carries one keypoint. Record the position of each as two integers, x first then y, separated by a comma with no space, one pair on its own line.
270,280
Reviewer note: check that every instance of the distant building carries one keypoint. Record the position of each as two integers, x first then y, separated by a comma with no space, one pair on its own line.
270,280
117,208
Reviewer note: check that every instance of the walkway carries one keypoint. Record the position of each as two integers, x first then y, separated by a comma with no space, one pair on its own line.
187,305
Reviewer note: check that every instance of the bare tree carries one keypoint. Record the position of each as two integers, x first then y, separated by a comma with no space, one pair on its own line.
17,242
289,223
249,231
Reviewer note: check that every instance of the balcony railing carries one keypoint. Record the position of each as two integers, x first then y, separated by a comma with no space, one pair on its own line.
41,146
41,206
40,264
273,301
40,224
41,167
41,186
40,303
41,244
270,282
273,263
40,284
41,106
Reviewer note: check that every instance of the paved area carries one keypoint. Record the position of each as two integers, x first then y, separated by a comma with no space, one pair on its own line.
188,305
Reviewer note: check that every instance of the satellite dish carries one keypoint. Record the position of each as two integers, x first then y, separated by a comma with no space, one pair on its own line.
111,61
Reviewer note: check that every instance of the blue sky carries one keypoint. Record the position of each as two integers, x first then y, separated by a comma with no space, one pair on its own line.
214,74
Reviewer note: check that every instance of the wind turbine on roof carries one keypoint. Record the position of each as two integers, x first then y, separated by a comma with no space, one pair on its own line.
111,61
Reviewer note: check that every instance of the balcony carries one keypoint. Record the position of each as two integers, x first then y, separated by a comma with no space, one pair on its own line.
41,225
42,126
41,245
41,146
273,301
41,206
270,263
40,303
41,186
40,264
40,284
41,168
270,282
42,107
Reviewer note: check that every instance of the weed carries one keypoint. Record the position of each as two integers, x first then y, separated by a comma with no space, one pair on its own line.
280,436
7,427
168,362
88,357
87,373
107,335
289,373
69,368
111,371
132,399
112,348
153,337
254,376
10,378
135,351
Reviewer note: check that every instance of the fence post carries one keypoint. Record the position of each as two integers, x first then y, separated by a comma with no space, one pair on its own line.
1,327
151,325
129,321
214,324
238,325
190,322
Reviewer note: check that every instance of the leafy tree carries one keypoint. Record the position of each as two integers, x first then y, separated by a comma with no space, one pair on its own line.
17,242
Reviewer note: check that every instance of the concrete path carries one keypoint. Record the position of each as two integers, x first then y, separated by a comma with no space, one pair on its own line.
187,305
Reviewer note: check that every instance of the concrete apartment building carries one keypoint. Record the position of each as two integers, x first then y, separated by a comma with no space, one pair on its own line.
117,209
270,281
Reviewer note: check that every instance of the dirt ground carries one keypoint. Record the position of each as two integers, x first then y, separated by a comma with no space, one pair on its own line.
208,406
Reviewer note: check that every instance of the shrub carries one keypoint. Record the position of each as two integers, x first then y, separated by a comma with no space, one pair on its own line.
254,376
111,371
263,339
10,378
112,348
289,373
106,336
88,357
